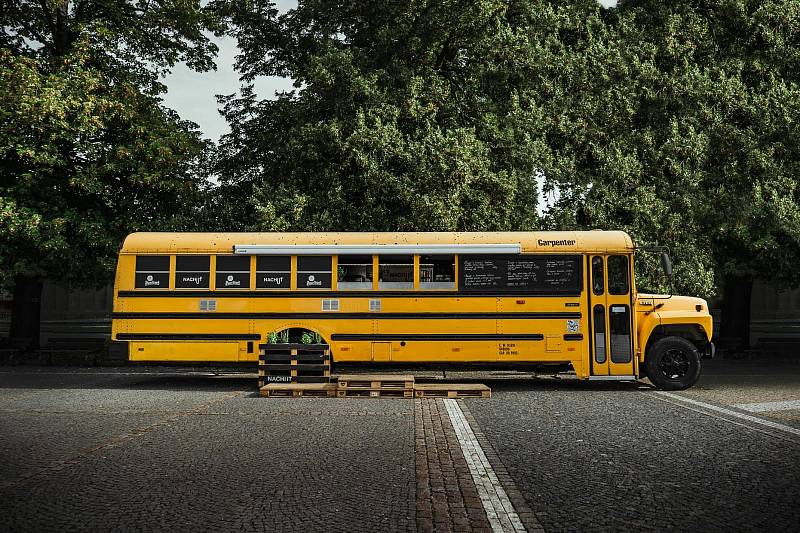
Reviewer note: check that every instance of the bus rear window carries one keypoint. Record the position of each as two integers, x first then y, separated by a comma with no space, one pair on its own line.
273,271
437,272
152,272
192,271
233,272
314,272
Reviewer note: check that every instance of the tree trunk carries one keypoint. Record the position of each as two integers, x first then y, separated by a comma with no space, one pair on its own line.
26,313
735,328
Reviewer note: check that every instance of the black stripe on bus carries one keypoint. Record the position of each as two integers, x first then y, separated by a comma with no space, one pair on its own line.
349,316
222,293
435,337
188,337
573,337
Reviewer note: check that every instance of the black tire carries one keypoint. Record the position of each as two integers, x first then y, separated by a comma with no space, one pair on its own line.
672,363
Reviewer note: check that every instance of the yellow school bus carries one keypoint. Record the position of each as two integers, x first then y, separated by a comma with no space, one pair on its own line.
559,300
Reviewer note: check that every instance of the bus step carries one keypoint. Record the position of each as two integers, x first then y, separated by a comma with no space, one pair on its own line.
452,390
376,381
374,393
298,390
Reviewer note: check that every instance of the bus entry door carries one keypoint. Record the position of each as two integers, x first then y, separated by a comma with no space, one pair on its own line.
611,346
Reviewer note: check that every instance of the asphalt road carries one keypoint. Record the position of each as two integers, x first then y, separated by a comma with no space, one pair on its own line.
142,449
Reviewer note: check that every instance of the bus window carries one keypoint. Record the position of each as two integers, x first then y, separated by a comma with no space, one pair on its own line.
313,271
437,272
233,272
354,272
618,274
620,329
599,320
152,272
396,272
273,271
597,275
192,271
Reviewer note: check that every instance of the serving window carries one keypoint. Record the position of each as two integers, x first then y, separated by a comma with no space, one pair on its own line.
192,271
396,272
273,271
314,271
233,272
152,272
437,272
354,272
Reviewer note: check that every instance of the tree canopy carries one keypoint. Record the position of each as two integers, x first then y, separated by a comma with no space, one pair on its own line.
701,152
411,115
88,152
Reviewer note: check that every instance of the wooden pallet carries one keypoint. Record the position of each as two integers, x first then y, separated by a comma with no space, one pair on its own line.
374,393
452,390
376,381
298,390
293,363
295,350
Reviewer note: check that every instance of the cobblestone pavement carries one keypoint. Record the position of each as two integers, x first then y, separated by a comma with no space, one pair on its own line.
134,452
774,389
620,457
447,499
135,449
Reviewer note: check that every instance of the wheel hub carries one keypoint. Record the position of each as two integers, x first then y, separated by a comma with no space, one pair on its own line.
674,364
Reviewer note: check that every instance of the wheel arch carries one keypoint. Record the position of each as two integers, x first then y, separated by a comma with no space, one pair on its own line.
693,333
322,332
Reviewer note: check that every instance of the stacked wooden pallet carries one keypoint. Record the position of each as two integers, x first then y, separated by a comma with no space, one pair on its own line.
375,386
452,390
294,364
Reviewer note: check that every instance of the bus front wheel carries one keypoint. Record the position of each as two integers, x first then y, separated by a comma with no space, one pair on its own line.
672,363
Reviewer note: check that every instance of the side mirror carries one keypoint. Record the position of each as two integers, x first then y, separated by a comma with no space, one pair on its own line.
666,264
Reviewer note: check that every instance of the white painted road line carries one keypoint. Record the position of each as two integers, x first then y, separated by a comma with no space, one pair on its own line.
728,412
499,509
766,407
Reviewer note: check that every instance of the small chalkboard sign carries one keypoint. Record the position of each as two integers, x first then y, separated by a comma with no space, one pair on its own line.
522,274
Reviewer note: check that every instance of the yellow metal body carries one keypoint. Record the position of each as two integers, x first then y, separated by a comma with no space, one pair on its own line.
410,326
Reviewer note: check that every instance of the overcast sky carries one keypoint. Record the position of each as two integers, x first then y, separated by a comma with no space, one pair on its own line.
192,94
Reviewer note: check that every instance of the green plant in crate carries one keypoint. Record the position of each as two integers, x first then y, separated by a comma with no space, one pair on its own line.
272,338
284,336
306,338
317,338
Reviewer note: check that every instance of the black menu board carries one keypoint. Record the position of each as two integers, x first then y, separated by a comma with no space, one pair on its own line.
522,274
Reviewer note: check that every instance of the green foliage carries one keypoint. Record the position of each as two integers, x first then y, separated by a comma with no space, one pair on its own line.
132,40
306,338
272,338
87,151
283,336
694,138
405,116
83,163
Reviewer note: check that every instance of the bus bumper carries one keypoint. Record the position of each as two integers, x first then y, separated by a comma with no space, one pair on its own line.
118,352
710,351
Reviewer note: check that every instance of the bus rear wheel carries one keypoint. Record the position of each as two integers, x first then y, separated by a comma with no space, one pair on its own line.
672,363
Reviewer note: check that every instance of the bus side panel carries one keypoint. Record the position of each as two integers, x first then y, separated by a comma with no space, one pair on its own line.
184,351
424,341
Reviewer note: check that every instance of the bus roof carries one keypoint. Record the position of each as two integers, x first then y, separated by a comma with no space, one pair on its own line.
534,241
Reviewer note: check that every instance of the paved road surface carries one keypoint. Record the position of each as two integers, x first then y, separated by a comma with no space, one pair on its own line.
129,450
